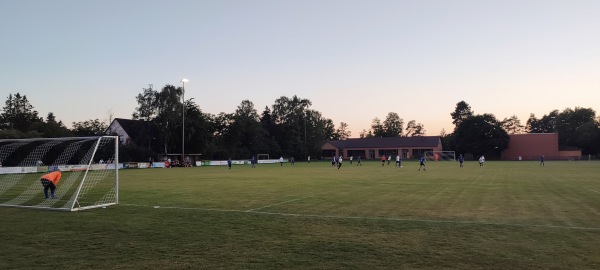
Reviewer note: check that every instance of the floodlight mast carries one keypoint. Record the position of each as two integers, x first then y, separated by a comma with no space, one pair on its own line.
183,121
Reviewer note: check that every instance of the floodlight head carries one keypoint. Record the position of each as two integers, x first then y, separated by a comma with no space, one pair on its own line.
184,80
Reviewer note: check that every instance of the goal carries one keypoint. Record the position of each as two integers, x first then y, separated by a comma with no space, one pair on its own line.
262,156
85,183
440,156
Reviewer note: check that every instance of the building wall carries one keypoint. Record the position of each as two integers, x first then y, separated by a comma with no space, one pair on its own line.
531,146
330,148
407,151
115,128
569,155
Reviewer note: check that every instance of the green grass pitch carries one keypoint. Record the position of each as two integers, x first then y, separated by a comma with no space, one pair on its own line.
506,215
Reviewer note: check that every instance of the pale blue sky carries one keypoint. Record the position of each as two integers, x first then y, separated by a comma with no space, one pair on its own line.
355,60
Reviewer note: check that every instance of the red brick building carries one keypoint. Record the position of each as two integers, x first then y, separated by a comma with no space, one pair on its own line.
532,145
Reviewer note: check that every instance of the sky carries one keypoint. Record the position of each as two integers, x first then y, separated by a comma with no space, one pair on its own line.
354,60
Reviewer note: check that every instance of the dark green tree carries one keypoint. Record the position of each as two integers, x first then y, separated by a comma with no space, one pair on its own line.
15,134
342,132
89,128
289,115
414,129
245,136
51,128
267,122
447,140
269,126
164,109
221,146
393,125
575,127
327,127
513,125
377,129
199,129
588,138
461,112
481,135
546,124
365,134
569,121
147,105
18,114
134,153
319,130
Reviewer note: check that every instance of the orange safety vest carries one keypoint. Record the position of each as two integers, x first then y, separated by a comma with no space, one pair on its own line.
53,177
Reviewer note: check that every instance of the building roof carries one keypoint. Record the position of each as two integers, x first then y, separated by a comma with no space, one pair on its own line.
388,142
532,134
135,128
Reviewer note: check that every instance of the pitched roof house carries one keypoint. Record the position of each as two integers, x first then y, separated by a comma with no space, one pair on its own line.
132,130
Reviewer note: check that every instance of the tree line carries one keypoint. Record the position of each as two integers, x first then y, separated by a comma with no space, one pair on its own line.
290,127
483,134
19,119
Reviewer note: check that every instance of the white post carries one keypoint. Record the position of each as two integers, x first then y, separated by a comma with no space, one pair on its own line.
183,121
117,169
87,170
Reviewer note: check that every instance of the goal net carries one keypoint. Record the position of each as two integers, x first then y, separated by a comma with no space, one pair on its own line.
262,156
440,156
89,167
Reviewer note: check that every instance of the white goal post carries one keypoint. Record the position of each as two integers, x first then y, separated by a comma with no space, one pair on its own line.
262,156
440,156
89,168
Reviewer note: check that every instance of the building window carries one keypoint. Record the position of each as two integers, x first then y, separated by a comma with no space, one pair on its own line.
327,154
388,152
356,153
417,153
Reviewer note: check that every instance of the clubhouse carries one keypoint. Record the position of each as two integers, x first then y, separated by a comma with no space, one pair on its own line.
374,148
531,146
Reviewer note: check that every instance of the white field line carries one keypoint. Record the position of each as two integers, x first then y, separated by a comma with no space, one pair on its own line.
270,205
375,218
183,208
592,189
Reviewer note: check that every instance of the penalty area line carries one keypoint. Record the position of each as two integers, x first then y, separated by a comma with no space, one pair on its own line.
270,205
591,189
183,208
431,221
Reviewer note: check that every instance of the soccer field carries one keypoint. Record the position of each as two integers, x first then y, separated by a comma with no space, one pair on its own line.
506,215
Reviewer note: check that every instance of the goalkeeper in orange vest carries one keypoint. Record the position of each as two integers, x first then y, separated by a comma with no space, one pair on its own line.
49,181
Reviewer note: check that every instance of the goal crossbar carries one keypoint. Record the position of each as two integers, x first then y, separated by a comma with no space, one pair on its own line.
262,156
440,155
